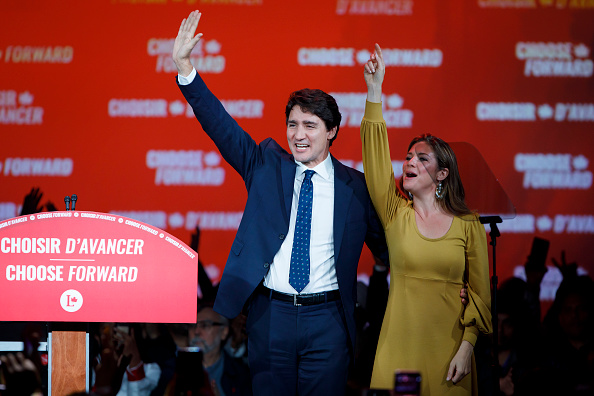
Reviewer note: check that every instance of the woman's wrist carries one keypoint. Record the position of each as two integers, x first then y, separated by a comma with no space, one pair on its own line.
374,93
466,346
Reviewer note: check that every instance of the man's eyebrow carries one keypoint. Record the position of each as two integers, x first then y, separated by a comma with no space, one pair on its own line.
306,122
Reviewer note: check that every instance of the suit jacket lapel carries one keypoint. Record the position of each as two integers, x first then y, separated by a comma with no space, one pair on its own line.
288,167
343,194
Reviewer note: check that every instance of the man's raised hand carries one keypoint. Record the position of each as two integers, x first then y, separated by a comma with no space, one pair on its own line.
185,43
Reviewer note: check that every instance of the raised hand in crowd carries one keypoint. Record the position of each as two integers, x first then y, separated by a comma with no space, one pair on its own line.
31,202
195,239
50,207
568,270
130,348
209,291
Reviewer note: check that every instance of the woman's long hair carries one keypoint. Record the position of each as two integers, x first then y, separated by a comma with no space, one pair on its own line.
453,191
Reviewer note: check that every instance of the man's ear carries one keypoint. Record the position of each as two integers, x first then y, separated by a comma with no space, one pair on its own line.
225,332
331,133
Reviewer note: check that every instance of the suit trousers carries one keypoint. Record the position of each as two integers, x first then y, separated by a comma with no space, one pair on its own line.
297,350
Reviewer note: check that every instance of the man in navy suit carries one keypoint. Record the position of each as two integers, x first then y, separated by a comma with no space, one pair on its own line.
300,322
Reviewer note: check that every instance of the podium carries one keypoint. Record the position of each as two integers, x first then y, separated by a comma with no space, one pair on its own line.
74,267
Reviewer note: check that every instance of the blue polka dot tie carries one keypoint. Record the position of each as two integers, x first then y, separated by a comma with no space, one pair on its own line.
299,273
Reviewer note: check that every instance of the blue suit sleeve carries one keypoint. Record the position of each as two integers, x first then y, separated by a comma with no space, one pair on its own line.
235,145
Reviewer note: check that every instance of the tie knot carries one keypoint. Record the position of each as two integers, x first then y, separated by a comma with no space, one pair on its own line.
308,175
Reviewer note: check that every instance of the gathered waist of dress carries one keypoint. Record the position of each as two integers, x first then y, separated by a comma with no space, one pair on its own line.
453,282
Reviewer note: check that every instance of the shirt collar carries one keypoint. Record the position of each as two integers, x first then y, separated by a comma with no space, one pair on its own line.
325,169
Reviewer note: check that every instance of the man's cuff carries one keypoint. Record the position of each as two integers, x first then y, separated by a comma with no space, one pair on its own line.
181,80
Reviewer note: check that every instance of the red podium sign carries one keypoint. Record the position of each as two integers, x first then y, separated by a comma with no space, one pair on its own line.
94,267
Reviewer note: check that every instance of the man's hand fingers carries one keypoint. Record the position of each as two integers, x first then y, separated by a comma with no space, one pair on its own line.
181,27
192,22
196,39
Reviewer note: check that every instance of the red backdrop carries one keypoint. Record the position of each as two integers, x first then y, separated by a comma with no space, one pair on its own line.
89,104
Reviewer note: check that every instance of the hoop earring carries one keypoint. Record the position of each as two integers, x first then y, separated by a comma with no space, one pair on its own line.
410,196
439,191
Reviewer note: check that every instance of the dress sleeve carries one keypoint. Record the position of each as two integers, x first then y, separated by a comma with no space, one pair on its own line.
477,314
377,164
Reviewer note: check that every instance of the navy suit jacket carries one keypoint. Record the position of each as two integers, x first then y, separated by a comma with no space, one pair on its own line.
269,172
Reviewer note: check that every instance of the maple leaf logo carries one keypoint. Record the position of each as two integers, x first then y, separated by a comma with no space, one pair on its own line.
25,98
212,159
213,47
580,162
74,299
545,111
363,56
176,107
544,223
581,51
395,101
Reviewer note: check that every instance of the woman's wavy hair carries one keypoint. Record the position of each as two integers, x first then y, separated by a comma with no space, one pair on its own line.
453,191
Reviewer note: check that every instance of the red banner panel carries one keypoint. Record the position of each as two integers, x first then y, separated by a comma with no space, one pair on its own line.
94,267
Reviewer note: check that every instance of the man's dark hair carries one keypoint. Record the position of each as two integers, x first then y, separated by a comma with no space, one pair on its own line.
319,103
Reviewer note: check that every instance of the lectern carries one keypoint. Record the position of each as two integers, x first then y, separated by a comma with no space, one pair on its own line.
71,268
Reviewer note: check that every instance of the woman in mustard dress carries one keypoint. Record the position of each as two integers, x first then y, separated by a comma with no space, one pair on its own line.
436,244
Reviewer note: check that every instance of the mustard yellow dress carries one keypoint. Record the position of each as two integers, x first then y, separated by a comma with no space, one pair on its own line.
425,322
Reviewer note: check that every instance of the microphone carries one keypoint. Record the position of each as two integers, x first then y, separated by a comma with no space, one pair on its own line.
73,200
487,219
67,202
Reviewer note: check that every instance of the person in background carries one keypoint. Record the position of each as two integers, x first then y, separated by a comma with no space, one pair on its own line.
228,375
569,337
132,359
19,376
140,378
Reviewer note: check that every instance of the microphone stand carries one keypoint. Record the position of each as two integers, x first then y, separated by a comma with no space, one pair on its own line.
494,233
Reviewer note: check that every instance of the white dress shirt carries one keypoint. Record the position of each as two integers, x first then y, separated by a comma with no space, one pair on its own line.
322,271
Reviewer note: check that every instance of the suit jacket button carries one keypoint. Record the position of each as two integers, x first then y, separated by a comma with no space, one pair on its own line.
281,236
266,265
